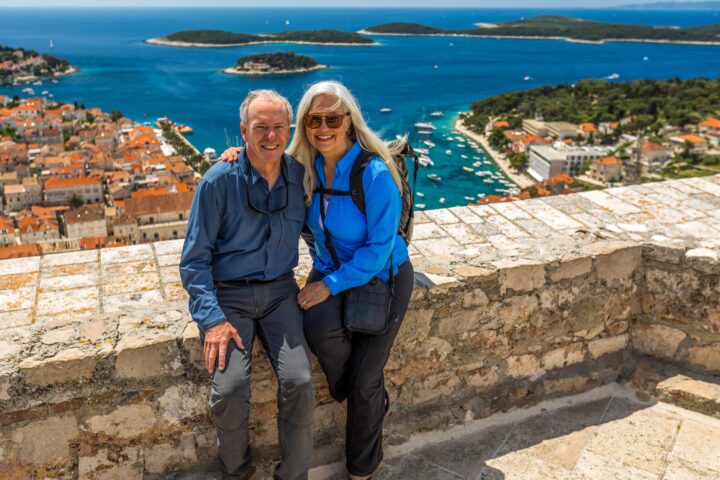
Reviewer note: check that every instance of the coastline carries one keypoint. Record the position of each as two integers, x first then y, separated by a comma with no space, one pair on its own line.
521,180
171,43
528,37
234,71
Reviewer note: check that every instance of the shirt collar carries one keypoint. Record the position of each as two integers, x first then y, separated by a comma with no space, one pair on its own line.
345,163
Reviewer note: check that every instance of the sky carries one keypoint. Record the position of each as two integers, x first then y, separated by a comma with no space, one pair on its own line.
320,3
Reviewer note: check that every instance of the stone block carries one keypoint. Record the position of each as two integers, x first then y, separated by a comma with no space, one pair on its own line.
93,330
4,387
185,401
521,278
619,264
663,253
126,254
707,356
571,267
147,356
191,344
521,366
68,365
111,465
127,421
485,378
45,441
657,340
77,301
59,335
167,457
416,325
129,301
18,299
563,356
604,346
460,322
564,386
475,298
9,350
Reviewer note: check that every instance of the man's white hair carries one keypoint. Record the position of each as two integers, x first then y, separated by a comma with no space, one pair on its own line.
265,94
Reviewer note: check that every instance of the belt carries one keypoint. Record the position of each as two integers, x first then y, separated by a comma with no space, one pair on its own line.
243,282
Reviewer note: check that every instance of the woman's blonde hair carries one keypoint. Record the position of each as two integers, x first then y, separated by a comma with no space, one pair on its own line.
305,153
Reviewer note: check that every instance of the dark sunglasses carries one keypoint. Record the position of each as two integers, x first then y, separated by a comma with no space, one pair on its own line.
332,120
262,210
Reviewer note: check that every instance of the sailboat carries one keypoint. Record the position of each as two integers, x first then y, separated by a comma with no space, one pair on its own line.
52,45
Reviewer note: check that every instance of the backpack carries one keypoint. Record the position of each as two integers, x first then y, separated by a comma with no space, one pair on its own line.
402,151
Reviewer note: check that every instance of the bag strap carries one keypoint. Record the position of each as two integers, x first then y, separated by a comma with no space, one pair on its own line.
328,238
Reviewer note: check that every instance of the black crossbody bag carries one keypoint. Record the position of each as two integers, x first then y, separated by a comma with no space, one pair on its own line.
367,307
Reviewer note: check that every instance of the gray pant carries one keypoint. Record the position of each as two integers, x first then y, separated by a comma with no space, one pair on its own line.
271,310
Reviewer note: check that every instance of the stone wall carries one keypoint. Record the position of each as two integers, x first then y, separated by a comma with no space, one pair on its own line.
101,371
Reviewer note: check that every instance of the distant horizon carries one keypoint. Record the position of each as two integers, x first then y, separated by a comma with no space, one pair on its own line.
317,4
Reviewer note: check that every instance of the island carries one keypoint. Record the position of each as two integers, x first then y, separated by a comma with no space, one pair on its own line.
680,6
280,63
556,27
20,65
220,38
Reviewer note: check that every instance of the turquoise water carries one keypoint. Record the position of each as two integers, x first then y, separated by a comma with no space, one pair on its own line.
120,72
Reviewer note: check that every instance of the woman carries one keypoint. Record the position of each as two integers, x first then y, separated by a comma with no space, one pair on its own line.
330,133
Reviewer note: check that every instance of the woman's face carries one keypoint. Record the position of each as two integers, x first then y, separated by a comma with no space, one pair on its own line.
330,140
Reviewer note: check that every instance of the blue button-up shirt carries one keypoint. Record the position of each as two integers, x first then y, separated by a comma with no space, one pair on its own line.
227,239
363,242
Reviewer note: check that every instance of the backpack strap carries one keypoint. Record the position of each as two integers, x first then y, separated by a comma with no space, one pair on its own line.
357,191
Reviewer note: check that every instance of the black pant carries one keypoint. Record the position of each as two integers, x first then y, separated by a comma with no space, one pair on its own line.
353,365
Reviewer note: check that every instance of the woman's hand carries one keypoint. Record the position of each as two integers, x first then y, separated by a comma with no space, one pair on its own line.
312,294
231,154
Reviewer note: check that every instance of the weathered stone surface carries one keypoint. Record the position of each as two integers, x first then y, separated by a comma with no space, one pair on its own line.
563,356
146,357
71,364
604,346
657,340
111,465
59,335
571,267
191,344
520,366
692,447
4,388
475,298
522,278
124,422
8,350
485,378
167,457
183,401
707,356
619,264
45,441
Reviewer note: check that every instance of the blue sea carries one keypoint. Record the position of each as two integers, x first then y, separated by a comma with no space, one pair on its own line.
411,75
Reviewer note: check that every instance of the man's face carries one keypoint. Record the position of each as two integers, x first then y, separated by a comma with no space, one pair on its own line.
267,130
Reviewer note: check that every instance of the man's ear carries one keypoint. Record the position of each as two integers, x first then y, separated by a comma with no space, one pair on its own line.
243,132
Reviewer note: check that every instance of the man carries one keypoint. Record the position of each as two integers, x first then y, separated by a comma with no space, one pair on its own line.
239,252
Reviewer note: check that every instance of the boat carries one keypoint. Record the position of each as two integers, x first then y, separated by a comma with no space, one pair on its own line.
461,145
425,161
613,76
450,139
420,194
449,152
481,195
385,110
425,132
646,59
54,81
422,151
434,177
489,180
476,164
185,129
475,157
419,205
464,157
425,125
441,200
429,143
44,92
480,173
468,169
470,199
527,78
52,45
487,162
39,82
436,114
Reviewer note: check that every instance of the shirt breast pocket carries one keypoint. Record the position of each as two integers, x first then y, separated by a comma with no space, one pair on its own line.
295,217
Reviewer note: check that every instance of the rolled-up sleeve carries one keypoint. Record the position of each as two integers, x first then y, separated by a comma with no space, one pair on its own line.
197,255
382,209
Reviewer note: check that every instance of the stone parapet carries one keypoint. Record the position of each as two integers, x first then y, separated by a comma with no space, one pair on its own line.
101,368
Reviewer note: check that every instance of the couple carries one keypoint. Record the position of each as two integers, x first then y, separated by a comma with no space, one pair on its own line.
241,246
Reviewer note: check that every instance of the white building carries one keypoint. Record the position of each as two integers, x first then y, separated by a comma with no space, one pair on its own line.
546,161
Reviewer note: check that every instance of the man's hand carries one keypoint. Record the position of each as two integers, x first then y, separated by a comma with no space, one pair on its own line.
231,154
216,342
312,294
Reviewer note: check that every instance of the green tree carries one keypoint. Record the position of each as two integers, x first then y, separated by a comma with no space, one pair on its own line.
75,201
519,161
497,139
